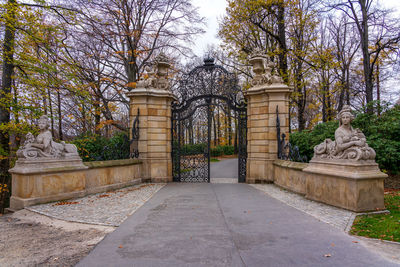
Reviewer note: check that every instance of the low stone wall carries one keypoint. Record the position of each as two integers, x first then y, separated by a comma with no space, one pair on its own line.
353,186
289,175
53,184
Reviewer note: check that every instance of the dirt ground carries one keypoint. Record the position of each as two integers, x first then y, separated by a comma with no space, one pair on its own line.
30,239
392,182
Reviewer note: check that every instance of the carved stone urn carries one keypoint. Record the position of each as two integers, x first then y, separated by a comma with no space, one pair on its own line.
257,61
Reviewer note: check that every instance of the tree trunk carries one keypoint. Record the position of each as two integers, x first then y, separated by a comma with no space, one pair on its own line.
348,86
366,56
218,128
215,129
8,69
283,65
60,133
226,128
236,134
51,112
378,90
230,126
324,106
97,115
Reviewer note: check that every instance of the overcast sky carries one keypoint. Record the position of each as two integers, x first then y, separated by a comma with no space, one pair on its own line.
213,10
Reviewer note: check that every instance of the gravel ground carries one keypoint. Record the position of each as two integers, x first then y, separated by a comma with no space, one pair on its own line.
62,233
109,208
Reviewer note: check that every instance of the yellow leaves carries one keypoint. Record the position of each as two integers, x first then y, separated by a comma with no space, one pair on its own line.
131,85
104,123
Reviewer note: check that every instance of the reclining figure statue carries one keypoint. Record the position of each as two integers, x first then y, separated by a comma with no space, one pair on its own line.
43,145
349,143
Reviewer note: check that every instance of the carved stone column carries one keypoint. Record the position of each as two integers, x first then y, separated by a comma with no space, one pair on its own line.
267,92
152,98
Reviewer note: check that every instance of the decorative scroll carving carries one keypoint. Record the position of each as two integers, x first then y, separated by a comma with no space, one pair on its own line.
349,143
43,145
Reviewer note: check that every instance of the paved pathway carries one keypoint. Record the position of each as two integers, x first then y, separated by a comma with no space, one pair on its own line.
225,225
224,171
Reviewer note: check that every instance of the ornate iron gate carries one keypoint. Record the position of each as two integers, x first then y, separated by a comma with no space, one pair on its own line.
202,91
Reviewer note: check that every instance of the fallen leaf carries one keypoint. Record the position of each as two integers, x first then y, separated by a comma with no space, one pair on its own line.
120,246
65,203
355,241
332,244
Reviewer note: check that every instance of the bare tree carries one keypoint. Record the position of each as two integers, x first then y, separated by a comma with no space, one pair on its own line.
377,32
133,30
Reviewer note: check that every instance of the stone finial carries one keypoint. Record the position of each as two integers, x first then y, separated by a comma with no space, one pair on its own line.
263,73
155,75
349,144
162,66
257,60
43,145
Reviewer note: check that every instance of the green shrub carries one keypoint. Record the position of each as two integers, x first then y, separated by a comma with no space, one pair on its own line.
97,148
382,135
194,149
306,140
217,151
228,150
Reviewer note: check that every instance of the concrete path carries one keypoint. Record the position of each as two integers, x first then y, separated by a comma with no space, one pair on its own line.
224,171
225,225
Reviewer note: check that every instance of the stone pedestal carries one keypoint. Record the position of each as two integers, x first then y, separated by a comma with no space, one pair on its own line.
261,135
353,185
154,131
43,180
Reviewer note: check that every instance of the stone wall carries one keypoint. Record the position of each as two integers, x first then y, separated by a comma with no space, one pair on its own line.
290,175
350,187
30,187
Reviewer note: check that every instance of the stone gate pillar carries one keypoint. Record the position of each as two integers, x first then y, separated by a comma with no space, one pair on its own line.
152,98
266,94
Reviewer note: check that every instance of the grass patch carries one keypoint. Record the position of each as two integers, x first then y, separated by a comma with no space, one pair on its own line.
214,160
381,226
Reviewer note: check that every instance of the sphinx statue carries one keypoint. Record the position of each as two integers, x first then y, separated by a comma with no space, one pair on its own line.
43,146
349,144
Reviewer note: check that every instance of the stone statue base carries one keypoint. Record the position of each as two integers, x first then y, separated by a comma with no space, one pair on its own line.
43,180
29,166
353,185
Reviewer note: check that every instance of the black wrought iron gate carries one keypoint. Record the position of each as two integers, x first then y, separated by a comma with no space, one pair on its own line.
202,91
